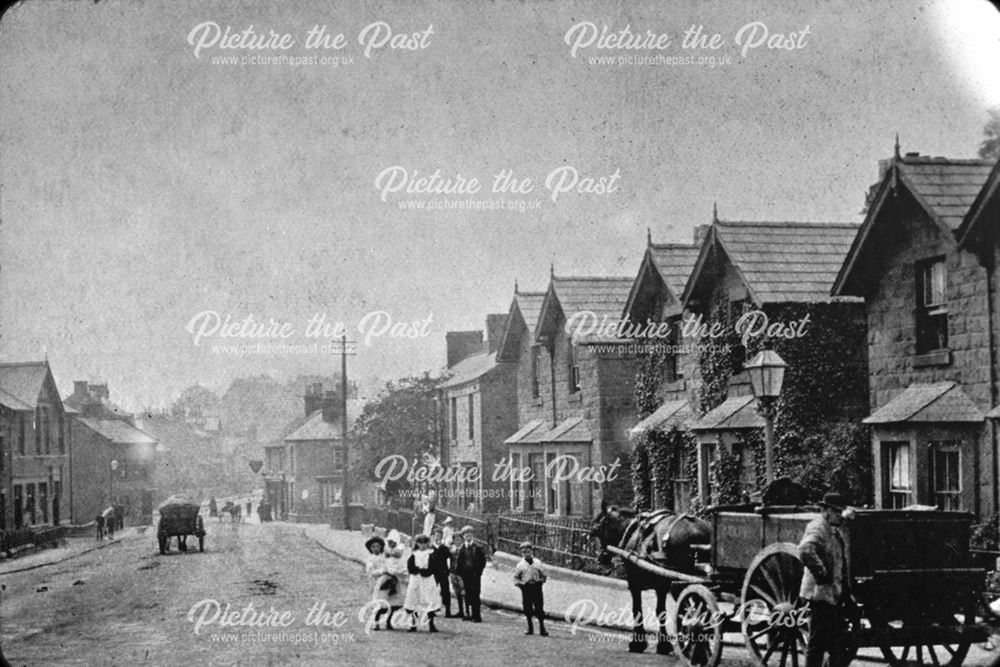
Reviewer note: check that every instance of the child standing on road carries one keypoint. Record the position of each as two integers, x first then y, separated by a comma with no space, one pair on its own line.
395,568
375,568
457,587
529,577
422,595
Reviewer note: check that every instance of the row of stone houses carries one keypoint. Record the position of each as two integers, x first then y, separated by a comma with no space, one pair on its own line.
889,325
65,460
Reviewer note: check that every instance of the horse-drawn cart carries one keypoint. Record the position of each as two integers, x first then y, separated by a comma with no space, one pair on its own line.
915,594
179,517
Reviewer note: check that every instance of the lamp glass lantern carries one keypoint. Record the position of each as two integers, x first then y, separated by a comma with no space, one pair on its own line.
767,374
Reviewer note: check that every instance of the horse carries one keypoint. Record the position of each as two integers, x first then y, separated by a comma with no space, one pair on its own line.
662,538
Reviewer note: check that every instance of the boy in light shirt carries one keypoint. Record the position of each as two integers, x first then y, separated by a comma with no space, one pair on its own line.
529,577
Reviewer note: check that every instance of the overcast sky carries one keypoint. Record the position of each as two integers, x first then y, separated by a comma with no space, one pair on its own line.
144,184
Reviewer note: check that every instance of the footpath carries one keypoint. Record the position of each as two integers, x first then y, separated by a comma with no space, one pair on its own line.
73,547
578,598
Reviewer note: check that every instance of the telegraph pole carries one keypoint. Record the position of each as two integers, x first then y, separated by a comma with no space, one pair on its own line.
345,486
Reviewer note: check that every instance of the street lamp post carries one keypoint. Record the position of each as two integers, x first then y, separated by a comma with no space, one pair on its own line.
111,482
767,373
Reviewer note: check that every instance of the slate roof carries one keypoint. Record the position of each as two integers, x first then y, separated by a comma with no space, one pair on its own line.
470,368
529,305
665,417
315,428
8,400
936,402
734,413
674,262
604,297
118,431
573,429
994,413
22,383
779,261
979,225
945,187
528,433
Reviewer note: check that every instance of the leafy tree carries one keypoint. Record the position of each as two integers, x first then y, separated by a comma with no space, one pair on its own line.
195,401
990,148
401,421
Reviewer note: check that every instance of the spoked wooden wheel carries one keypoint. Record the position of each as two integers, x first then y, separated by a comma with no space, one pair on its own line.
698,624
923,653
774,618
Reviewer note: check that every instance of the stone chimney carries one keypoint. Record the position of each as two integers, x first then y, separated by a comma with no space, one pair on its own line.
495,323
332,406
80,388
462,345
313,398
700,232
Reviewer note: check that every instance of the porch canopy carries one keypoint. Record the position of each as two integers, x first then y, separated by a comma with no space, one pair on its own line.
738,412
528,434
666,417
937,402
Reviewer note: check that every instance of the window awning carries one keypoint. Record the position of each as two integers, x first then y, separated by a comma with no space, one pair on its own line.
739,412
573,429
529,433
667,416
937,402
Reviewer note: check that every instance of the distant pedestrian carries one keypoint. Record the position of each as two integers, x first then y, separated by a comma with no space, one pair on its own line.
471,563
429,506
213,507
423,599
249,505
109,522
826,583
457,587
530,577
375,568
99,522
440,559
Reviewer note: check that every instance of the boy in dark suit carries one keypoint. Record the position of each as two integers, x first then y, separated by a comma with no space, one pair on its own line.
471,563
440,564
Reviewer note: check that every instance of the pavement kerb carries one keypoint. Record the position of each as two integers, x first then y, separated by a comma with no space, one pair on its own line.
125,535
489,602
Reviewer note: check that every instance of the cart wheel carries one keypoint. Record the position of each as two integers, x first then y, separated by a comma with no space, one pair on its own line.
698,624
163,544
951,655
774,619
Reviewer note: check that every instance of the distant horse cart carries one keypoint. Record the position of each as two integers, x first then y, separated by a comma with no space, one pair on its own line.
915,593
179,517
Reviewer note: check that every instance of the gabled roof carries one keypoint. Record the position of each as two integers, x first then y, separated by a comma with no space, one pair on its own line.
316,428
604,297
118,431
937,402
524,311
778,262
12,402
738,412
945,189
469,369
22,383
665,417
670,263
980,225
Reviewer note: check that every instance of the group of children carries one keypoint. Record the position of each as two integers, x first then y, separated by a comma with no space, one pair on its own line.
418,581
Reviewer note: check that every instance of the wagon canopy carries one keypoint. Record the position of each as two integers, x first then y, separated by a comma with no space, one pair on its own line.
179,506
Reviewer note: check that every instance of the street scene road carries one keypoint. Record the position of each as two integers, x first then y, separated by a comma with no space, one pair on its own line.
126,605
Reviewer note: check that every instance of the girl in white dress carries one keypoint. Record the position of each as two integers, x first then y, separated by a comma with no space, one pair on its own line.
422,594
394,585
375,568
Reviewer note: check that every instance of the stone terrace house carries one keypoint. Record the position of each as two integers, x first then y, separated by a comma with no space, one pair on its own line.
35,442
479,403
314,457
932,361
781,271
574,398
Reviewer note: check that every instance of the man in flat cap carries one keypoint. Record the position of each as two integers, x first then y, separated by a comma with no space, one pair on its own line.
471,563
529,577
825,583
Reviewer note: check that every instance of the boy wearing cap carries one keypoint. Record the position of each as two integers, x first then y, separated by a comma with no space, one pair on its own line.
471,563
825,582
529,577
